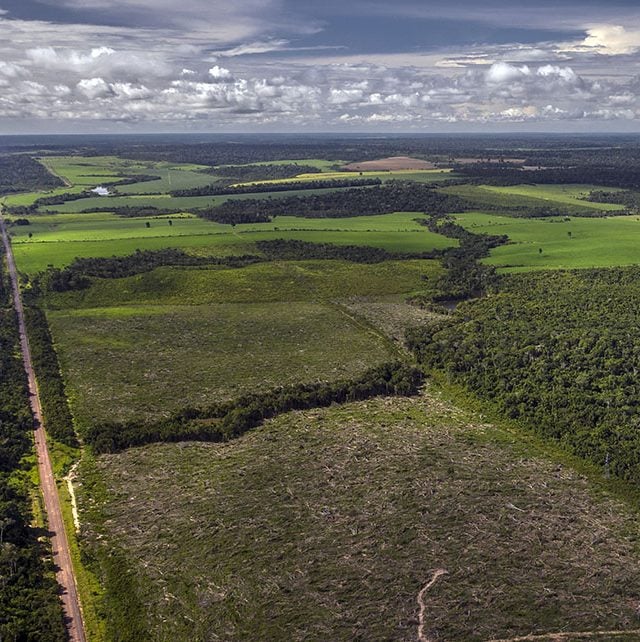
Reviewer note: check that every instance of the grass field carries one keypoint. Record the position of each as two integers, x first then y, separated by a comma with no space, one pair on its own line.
326,524
564,198
143,362
594,242
570,194
258,283
60,238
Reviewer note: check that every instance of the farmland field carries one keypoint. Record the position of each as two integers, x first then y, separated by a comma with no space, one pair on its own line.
59,238
326,524
152,360
574,243
564,194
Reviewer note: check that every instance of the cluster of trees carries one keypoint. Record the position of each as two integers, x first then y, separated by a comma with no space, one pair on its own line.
629,198
55,406
558,351
77,275
247,173
464,277
258,188
394,196
625,176
29,605
134,211
223,421
21,173
293,250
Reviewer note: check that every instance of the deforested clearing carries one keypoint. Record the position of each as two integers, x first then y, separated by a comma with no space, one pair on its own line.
328,524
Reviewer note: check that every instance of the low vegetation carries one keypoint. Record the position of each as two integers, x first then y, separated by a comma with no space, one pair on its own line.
326,524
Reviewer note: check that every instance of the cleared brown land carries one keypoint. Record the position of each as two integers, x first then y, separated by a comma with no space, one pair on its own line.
389,164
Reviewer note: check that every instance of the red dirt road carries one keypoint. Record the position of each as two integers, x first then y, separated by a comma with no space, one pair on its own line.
59,542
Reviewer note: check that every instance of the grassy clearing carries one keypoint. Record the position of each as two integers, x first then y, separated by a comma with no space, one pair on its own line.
325,525
144,362
570,194
597,242
285,281
58,239
561,197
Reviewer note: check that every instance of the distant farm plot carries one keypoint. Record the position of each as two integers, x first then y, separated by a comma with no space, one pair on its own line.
328,524
571,194
143,362
59,238
89,171
417,175
565,198
558,242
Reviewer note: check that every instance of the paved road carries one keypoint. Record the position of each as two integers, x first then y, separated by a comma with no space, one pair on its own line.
59,542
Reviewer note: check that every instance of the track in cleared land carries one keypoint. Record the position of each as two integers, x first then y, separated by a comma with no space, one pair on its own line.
59,542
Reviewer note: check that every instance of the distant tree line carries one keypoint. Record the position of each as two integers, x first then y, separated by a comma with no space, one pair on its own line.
134,211
257,188
394,196
627,177
294,250
77,275
30,608
629,198
247,173
21,173
224,421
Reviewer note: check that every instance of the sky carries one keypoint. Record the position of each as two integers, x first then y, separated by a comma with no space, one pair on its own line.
109,66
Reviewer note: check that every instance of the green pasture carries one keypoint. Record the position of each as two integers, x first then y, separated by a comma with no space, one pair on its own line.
151,360
569,194
567,200
280,281
574,243
58,239
89,171
175,202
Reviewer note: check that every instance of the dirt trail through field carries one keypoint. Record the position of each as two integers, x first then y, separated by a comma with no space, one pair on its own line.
423,607
59,542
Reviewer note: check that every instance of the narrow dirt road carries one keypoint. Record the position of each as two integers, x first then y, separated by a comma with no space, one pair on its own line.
59,542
